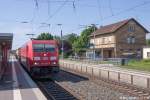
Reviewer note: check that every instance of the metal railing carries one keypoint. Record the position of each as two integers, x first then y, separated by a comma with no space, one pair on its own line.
121,76
115,61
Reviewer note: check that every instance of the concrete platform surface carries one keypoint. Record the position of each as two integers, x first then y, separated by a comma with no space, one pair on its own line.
17,85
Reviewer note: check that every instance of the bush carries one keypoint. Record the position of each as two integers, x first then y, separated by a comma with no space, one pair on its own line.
146,60
132,61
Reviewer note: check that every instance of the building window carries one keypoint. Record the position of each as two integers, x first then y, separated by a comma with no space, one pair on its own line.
130,49
121,49
109,39
131,40
138,49
103,40
131,28
148,54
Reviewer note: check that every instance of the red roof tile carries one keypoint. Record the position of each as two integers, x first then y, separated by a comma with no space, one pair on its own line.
113,27
110,28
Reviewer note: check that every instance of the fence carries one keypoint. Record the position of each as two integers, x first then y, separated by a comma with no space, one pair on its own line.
115,61
135,79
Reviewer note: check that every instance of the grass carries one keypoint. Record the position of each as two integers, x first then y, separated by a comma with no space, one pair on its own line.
143,65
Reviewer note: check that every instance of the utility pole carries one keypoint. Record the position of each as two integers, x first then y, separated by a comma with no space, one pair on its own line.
94,26
62,43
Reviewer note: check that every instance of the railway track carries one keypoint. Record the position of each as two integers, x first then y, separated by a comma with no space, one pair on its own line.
130,90
69,85
54,91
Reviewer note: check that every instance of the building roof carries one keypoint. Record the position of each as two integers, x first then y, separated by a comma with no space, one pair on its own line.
7,39
114,27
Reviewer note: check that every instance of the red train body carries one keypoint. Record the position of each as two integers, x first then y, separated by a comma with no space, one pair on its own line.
39,56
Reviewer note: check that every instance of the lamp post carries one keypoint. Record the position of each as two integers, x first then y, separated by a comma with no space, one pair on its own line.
62,43
94,26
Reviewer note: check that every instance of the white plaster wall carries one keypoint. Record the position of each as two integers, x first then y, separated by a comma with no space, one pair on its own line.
145,50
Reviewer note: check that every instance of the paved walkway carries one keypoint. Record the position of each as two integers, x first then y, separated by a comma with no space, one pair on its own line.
17,85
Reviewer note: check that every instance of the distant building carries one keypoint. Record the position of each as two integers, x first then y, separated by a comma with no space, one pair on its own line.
146,53
122,39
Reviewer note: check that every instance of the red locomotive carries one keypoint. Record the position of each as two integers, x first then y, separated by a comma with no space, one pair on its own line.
39,56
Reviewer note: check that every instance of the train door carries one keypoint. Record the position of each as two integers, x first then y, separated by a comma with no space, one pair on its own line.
27,57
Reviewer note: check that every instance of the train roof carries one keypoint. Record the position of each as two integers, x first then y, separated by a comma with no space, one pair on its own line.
43,41
6,39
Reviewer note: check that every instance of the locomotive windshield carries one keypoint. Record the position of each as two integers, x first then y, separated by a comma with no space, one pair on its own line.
49,48
38,47
43,48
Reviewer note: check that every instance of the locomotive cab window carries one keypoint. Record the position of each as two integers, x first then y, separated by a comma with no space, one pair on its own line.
38,47
44,48
49,48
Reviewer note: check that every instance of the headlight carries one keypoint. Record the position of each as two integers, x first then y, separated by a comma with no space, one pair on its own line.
54,63
35,63
36,58
52,58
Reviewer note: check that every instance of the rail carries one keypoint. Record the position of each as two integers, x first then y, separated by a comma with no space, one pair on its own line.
54,91
121,76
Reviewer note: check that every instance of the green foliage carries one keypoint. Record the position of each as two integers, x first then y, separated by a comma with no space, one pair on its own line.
56,38
148,42
45,36
146,61
71,38
81,44
139,65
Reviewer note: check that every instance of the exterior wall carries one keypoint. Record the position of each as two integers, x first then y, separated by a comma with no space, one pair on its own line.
145,53
103,41
118,41
121,39
106,53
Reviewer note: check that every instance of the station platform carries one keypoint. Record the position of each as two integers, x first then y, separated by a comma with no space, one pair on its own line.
17,84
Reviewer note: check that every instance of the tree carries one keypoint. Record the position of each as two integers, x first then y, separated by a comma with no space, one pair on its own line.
68,41
71,38
81,44
148,42
45,36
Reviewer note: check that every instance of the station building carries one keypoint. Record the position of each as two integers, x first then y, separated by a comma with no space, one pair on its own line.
5,47
124,39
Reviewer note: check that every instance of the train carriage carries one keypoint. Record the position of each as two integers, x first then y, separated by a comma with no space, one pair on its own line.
40,56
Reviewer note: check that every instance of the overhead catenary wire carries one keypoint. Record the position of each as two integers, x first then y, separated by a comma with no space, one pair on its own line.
57,10
49,7
128,9
74,6
36,4
100,11
110,7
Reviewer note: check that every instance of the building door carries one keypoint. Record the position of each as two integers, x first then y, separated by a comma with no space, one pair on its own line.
109,53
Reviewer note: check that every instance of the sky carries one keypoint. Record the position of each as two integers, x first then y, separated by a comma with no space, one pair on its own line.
22,17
